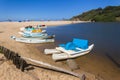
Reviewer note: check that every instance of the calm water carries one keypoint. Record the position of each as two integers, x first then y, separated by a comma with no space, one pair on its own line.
105,36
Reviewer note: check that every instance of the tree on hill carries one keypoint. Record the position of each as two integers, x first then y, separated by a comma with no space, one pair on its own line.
108,14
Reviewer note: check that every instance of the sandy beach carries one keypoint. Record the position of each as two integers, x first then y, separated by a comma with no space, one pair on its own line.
90,68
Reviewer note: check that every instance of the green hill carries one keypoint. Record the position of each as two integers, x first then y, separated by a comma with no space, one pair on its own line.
108,14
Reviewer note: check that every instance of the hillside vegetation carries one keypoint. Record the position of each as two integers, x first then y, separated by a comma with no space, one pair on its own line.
108,14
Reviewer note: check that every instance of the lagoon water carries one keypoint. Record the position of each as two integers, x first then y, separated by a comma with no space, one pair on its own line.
105,36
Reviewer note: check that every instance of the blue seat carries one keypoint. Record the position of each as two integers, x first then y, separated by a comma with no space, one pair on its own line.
81,43
68,46
76,43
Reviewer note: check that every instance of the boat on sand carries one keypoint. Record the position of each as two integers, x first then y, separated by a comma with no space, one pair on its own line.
67,54
32,34
42,35
33,27
32,40
76,48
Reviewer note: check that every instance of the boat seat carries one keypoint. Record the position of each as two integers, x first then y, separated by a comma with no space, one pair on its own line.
76,44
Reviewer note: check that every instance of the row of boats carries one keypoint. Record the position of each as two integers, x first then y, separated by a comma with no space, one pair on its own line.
35,34
38,34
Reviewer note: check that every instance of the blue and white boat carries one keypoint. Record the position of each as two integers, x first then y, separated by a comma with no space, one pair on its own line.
76,48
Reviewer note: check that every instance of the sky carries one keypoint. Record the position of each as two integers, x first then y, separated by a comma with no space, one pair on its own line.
49,9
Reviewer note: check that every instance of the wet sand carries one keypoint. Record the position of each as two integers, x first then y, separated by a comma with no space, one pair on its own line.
93,66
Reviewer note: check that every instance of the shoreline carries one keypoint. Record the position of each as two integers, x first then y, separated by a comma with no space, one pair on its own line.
47,23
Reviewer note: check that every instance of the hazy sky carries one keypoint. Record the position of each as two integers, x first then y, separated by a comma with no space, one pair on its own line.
49,9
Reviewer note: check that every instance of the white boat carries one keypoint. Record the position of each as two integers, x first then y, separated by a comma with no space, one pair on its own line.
60,53
36,27
76,48
33,34
32,40
30,32
42,36
67,54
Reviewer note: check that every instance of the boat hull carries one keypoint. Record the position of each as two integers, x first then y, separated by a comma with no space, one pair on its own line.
32,40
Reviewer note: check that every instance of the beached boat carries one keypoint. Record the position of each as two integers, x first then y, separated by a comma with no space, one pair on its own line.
32,40
32,30
71,50
35,31
67,54
33,27
33,34
42,36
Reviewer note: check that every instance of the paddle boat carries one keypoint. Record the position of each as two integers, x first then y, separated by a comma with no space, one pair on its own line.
76,48
32,40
